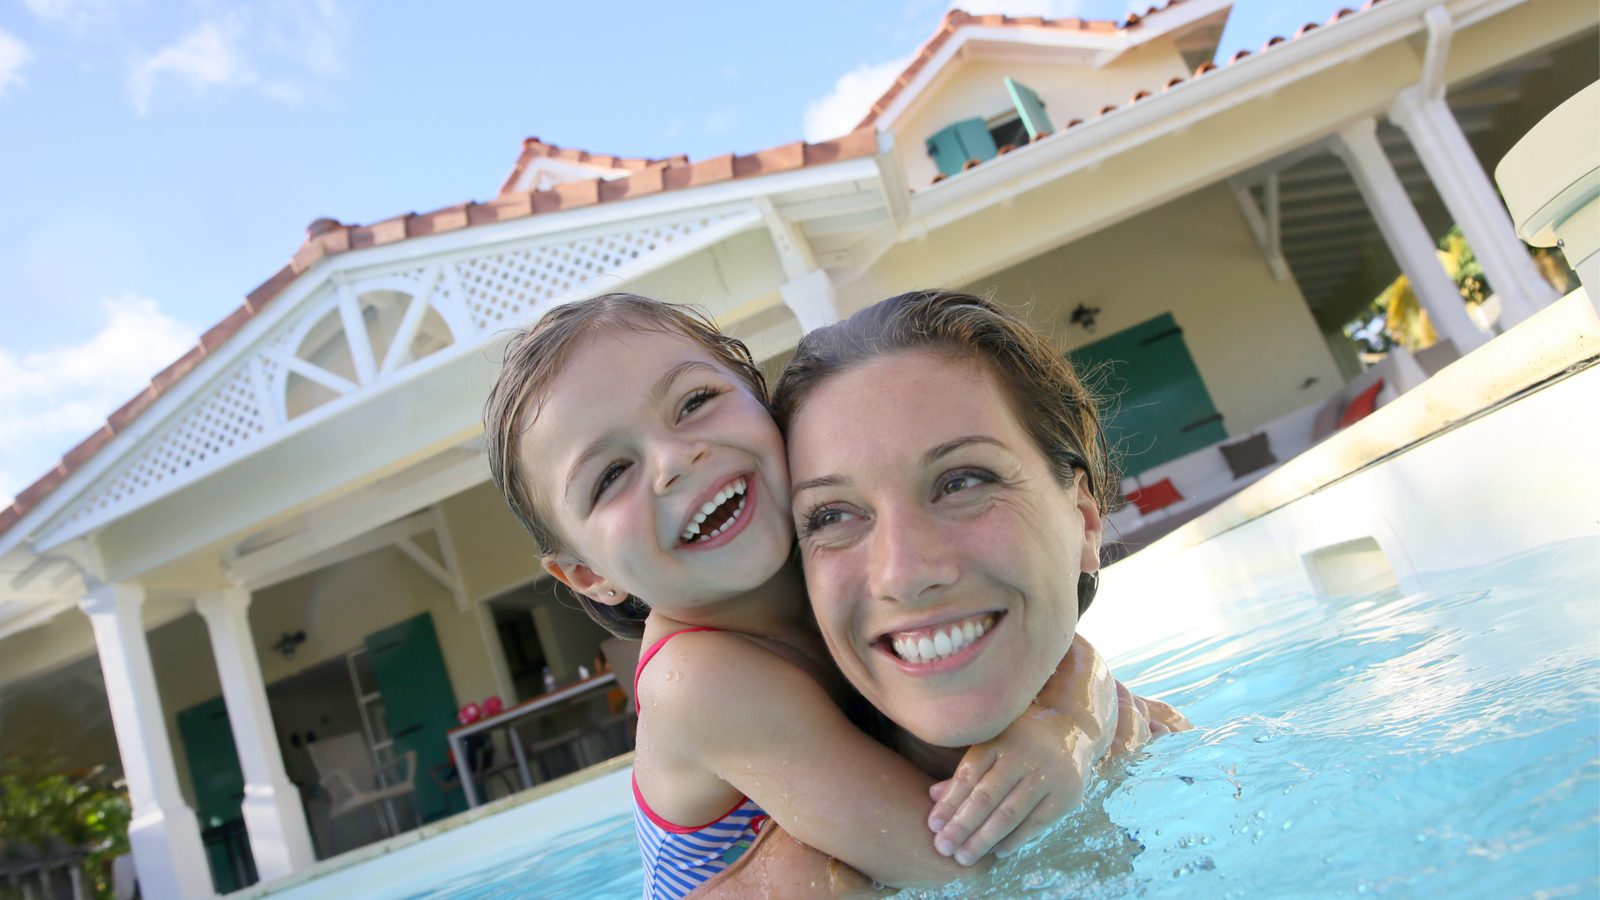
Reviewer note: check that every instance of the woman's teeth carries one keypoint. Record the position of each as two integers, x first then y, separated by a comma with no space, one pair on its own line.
692,533
945,641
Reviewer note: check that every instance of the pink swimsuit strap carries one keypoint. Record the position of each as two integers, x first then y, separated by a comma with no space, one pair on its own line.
650,652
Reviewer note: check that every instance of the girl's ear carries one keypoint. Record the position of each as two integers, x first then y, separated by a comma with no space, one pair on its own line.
1093,525
583,580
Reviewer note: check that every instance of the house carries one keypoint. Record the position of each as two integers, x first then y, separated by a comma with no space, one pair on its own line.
289,533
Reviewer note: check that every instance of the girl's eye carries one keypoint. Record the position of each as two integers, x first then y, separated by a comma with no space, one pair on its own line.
611,474
964,479
696,400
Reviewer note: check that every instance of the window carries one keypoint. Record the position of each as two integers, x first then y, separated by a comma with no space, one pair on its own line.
979,139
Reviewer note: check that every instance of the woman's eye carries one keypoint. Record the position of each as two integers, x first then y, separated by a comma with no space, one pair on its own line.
696,400
821,518
956,482
611,474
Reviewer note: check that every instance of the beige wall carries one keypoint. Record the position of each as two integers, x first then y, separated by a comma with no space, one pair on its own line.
1252,338
1069,91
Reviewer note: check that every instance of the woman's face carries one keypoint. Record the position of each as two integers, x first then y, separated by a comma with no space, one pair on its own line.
941,556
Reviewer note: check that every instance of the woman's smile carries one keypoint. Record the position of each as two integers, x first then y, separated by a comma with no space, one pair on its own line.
940,552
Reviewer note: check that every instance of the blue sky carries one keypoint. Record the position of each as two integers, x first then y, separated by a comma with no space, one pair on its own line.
158,160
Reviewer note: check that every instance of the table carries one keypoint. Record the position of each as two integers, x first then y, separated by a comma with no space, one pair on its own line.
530,707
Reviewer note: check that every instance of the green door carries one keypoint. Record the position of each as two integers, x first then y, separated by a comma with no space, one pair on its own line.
418,701
1159,408
218,790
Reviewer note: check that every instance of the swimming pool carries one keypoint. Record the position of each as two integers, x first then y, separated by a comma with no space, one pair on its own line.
1390,648
1431,744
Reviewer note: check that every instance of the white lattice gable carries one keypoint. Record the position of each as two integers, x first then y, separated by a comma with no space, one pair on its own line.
352,328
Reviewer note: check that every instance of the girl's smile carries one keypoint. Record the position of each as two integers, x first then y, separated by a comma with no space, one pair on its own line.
651,470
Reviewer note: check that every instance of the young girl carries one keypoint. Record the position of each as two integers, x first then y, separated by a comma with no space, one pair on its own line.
633,440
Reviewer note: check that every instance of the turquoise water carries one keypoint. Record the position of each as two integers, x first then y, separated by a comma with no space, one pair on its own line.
1443,743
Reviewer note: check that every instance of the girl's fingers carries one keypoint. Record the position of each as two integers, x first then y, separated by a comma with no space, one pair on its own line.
1014,811
990,810
937,790
1050,810
975,765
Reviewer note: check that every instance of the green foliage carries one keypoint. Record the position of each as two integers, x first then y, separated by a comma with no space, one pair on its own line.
51,811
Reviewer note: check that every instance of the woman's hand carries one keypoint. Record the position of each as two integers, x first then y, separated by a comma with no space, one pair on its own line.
1008,791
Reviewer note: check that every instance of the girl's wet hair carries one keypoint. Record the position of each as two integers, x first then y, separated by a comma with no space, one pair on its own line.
535,357
1047,396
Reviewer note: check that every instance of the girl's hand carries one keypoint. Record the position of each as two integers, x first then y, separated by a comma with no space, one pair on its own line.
1008,791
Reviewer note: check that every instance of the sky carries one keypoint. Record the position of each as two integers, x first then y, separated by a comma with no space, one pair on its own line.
161,158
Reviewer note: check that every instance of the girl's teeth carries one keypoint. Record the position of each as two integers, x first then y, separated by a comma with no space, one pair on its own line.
692,533
925,647
969,632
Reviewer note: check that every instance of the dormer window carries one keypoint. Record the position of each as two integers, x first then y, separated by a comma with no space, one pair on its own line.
981,139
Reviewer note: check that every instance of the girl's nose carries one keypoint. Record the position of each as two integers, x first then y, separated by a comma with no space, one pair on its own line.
674,461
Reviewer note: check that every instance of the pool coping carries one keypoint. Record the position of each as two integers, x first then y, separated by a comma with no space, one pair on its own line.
370,852
1557,342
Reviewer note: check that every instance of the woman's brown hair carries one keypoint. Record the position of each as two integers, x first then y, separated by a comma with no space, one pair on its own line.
1047,396
534,357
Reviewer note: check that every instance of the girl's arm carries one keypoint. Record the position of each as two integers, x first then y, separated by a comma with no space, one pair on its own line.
764,726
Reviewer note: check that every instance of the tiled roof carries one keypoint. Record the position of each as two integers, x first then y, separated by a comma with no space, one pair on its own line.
329,237
1204,68
533,148
956,19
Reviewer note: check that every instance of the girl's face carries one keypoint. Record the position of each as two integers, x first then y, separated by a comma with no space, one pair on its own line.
940,553
664,475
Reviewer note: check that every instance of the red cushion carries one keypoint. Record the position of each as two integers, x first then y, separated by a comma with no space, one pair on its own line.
1361,406
1157,496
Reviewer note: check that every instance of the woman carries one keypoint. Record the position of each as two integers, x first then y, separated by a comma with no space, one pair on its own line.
973,503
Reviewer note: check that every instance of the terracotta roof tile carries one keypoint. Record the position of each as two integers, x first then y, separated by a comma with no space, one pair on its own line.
220,332
88,447
30,496
9,517
533,148
268,290
169,376
124,416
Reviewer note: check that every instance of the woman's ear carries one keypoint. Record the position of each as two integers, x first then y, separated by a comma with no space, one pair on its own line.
1093,525
583,580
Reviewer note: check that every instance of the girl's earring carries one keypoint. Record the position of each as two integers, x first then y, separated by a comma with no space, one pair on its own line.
1088,586
611,593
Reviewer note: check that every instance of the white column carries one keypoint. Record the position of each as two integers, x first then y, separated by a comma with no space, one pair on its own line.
279,838
164,834
1408,239
813,298
1474,203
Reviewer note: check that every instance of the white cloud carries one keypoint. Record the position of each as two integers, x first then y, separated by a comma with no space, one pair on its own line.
77,13
13,56
209,56
852,96
51,399
282,50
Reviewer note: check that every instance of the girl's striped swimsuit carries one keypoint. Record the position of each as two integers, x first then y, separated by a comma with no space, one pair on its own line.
680,858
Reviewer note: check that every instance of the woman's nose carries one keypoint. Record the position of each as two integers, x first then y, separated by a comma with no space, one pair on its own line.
673,461
910,562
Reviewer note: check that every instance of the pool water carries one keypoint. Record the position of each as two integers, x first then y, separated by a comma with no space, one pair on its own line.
1442,743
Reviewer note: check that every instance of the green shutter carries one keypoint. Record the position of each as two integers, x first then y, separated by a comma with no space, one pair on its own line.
1030,108
218,785
417,700
954,145
1159,408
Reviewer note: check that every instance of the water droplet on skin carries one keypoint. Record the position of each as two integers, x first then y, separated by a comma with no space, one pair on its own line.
1288,825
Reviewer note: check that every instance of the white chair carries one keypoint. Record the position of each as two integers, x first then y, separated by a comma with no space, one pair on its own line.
353,781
